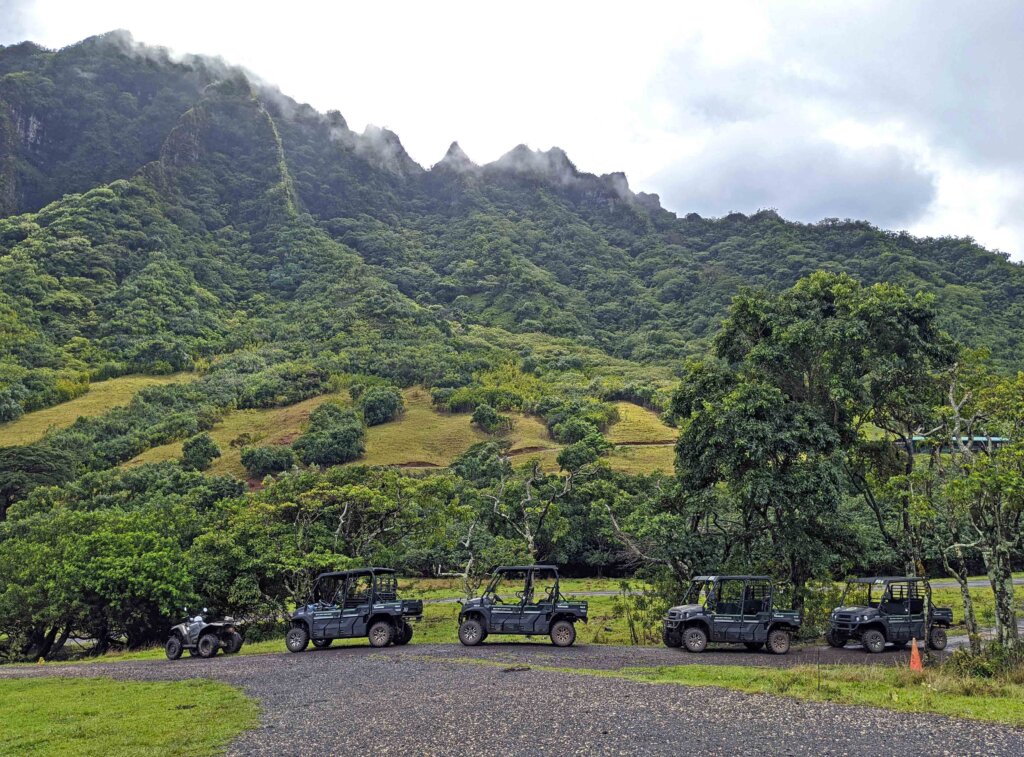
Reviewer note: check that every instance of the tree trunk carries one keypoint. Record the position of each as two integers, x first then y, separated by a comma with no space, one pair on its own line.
958,569
997,564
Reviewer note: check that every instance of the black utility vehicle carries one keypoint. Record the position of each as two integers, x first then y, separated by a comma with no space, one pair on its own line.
203,638
887,609
521,599
733,610
352,603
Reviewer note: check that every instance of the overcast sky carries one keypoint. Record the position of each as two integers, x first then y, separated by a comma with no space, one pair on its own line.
909,114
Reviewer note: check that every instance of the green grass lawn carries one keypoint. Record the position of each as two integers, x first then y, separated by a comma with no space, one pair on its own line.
100,716
102,396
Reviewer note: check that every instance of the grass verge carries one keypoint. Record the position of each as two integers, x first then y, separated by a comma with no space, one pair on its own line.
100,716
931,691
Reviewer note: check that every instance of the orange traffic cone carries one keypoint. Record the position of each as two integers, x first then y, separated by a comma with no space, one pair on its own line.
915,656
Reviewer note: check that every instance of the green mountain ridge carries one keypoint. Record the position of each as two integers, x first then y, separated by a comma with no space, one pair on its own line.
214,214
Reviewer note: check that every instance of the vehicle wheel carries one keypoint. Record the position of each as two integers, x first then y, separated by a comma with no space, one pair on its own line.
779,641
695,639
471,632
835,639
233,643
173,648
296,639
873,641
208,645
937,639
405,636
753,646
563,633
322,643
380,634
672,638
193,653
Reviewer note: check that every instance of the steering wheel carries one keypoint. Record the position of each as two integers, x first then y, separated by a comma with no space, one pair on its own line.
498,599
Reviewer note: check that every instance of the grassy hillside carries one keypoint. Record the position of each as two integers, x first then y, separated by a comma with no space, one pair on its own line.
102,396
279,425
424,438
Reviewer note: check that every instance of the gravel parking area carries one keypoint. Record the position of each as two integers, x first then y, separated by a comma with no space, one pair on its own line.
422,700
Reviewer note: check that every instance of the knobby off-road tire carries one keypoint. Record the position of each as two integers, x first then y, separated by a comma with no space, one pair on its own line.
471,632
173,648
233,643
695,639
873,641
779,641
754,646
207,645
380,634
296,639
835,639
937,639
563,633
672,639
405,636
322,643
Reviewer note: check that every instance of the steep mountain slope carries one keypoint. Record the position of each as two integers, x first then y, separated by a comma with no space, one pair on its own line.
218,214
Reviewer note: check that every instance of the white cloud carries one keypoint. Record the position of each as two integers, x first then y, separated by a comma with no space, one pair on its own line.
908,114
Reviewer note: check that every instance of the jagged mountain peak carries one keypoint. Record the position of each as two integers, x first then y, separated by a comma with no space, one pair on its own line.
456,159
382,147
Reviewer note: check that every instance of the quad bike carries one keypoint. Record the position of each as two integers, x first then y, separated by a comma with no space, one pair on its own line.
203,638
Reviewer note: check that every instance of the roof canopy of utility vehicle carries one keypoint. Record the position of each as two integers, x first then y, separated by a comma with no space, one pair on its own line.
355,572
732,578
885,579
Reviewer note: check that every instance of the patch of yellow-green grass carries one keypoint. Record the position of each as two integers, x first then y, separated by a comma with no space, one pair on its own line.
643,459
638,424
278,425
422,437
100,716
102,396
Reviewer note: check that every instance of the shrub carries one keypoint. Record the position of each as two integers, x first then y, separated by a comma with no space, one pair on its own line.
490,420
573,430
380,404
334,436
198,452
262,461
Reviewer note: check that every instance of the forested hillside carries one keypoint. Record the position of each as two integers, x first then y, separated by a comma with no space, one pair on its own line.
164,215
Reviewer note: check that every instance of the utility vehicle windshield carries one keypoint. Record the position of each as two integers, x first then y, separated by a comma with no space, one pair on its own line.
698,593
862,595
510,587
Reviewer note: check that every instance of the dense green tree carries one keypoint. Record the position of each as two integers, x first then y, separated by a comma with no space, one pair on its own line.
335,435
262,461
380,404
199,452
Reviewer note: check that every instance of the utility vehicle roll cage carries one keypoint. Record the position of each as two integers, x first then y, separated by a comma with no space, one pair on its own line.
758,593
530,574
329,588
910,600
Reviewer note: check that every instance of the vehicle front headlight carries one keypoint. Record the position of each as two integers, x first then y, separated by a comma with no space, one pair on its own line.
862,618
